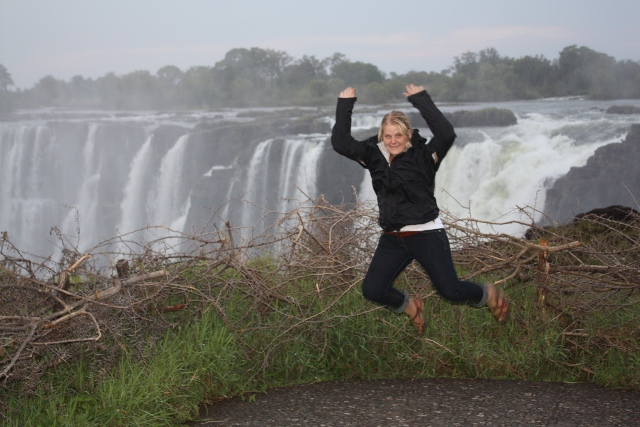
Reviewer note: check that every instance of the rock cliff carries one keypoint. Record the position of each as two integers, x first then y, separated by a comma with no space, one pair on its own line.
610,177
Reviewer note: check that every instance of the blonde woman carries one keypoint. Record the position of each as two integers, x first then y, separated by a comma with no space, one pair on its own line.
403,167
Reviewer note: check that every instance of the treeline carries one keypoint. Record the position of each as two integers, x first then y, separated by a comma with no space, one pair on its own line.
265,77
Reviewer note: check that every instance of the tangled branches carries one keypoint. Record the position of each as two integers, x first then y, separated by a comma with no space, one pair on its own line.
298,270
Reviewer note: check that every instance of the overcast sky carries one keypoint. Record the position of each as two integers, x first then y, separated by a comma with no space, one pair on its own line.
64,38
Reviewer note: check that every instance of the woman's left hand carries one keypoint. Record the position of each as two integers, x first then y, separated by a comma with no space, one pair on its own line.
413,89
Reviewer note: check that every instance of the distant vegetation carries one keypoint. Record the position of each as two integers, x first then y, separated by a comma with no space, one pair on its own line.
265,77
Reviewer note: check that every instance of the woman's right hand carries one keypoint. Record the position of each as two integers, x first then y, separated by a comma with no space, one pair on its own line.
348,93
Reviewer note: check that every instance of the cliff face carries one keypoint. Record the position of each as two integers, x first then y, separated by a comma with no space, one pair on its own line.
610,177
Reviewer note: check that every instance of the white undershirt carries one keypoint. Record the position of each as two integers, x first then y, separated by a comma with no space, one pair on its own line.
431,225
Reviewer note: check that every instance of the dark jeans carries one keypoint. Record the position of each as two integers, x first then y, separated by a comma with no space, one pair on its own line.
431,249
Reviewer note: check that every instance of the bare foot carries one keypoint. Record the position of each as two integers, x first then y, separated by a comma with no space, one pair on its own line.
497,305
414,311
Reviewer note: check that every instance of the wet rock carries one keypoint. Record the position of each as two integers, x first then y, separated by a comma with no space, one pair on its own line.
623,109
610,177
486,117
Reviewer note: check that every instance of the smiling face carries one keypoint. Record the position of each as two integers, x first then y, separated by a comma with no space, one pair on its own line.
394,138
395,132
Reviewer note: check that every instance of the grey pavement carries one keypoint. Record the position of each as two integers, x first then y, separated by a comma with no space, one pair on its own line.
430,402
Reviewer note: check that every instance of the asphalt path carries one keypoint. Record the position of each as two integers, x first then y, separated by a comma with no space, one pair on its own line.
430,402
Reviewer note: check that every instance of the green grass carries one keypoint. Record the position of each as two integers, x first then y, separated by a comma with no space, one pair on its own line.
190,365
202,359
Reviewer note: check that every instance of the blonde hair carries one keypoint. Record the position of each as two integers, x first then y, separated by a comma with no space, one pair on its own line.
399,119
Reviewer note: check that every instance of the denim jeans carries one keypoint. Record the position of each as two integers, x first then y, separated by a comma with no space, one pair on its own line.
431,249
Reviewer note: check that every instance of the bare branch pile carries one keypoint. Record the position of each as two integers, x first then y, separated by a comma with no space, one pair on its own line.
309,262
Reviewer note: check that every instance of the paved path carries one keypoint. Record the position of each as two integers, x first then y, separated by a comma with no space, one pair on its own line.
431,402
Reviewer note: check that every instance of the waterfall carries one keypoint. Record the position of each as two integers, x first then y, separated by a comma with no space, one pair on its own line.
512,168
120,174
278,174
87,202
28,209
133,206
168,203
255,187
490,173
298,170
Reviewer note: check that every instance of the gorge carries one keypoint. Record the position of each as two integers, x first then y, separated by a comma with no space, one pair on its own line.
97,174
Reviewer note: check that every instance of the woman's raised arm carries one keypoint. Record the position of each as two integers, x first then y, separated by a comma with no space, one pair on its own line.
341,139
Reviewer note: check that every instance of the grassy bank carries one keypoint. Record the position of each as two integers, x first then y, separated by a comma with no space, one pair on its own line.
201,360
216,321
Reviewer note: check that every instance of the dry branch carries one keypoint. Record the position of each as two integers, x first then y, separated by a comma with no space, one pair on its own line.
326,247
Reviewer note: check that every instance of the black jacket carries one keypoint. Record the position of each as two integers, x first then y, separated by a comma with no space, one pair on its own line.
405,188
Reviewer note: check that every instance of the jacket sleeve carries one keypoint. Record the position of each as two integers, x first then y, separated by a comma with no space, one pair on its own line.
341,139
443,133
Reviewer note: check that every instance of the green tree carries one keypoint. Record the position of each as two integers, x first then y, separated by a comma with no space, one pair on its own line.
48,91
199,88
6,97
627,74
5,79
138,90
261,66
303,71
169,75
169,79
534,76
581,68
357,73
108,90
466,65
83,92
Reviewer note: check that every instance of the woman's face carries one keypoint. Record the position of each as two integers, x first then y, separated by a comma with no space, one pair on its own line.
393,138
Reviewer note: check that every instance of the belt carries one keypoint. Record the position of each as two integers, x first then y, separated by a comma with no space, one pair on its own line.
402,234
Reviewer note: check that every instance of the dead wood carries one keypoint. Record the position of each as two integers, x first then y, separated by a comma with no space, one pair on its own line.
317,250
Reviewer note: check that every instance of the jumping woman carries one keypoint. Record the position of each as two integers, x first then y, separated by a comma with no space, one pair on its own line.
403,168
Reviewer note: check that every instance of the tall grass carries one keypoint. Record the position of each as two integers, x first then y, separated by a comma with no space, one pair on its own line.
201,360
219,322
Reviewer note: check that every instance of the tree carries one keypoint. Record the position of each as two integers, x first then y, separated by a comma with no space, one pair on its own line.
6,97
580,66
169,79
108,89
357,73
335,59
5,79
491,56
466,65
533,76
261,66
198,87
139,89
169,75
303,71
83,92
49,91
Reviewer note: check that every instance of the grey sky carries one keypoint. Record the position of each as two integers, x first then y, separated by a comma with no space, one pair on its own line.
64,38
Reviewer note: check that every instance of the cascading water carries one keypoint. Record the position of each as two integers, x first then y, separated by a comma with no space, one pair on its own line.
511,167
490,173
119,174
134,203
26,204
279,173
87,202
256,185
168,202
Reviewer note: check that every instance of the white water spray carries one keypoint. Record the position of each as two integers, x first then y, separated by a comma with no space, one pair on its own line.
133,206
